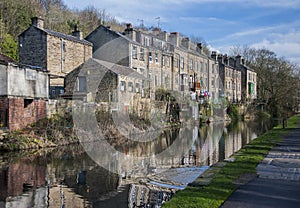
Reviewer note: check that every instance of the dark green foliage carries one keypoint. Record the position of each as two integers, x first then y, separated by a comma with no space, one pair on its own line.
232,111
9,46
15,17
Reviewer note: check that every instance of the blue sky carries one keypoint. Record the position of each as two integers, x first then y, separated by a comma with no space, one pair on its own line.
223,24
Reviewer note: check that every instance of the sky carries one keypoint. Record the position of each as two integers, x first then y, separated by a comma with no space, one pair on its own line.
222,24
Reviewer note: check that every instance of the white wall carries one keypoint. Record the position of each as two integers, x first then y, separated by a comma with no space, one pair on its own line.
3,79
25,82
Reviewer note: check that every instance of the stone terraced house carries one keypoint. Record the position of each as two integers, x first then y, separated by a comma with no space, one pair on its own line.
56,52
168,61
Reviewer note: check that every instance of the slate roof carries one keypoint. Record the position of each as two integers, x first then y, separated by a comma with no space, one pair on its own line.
5,59
65,36
119,69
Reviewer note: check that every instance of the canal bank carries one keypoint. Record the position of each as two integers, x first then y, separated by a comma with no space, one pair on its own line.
214,187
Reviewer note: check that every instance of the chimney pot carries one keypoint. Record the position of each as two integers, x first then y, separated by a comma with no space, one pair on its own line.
37,22
77,33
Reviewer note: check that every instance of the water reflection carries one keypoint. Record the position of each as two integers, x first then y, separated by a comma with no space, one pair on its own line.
146,177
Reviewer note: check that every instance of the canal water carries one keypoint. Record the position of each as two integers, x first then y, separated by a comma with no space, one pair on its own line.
148,173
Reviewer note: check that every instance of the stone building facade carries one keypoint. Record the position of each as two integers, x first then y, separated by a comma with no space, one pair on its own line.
248,80
23,95
100,81
56,52
168,61
230,77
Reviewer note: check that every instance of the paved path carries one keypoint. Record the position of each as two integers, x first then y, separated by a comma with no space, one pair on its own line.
278,181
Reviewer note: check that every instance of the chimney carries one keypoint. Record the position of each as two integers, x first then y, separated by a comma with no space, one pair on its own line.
174,38
185,42
129,32
199,48
225,59
156,31
163,36
214,55
37,22
76,33
239,60
220,58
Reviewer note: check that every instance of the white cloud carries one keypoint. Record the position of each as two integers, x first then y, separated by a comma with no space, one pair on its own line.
289,50
257,3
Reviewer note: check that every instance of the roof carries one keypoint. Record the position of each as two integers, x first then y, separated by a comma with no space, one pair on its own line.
119,34
65,36
119,69
6,59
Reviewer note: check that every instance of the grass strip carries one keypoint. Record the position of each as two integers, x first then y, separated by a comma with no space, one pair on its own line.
224,183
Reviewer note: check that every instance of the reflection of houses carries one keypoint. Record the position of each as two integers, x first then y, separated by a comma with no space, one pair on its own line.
56,52
142,196
102,81
23,94
16,177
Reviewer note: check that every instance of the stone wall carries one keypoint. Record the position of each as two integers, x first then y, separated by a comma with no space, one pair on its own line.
105,42
58,54
33,48
65,55
22,112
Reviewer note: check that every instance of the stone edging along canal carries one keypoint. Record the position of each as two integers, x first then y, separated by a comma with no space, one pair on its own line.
215,185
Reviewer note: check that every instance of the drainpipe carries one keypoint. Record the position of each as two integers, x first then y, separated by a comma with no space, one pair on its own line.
62,56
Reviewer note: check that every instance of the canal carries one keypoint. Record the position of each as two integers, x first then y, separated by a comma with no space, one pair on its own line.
136,174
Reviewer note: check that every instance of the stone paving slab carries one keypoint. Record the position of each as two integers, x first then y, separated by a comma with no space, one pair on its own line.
278,181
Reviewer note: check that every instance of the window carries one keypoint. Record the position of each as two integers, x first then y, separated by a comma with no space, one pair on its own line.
213,69
137,87
196,65
130,86
27,102
146,41
185,81
167,59
163,60
123,86
150,56
150,75
64,49
142,54
81,83
143,84
213,83
177,62
134,52
156,57
142,70
191,64
182,62
201,67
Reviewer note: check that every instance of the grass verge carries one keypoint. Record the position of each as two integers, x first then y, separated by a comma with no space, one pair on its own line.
223,184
